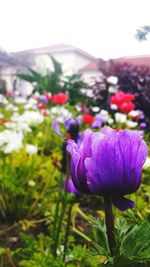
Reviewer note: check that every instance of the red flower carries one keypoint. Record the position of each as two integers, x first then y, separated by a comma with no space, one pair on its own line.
59,98
3,120
48,96
86,118
126,107
42,106
123,101
45,112
121,97
68,137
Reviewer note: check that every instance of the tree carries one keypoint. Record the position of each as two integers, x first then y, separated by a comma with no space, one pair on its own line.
141,34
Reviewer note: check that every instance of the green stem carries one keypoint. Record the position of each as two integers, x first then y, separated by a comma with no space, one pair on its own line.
81,234
109,223
59,229
67,231
56,219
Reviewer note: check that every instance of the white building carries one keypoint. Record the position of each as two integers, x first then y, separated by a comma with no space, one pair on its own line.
73,60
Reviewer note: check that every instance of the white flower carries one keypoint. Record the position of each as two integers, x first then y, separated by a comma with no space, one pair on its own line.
11,147
3,99
32,118
131,124
1,116
10,141
30,149
104,112
89,93
110,121
112,79
18,126
120,118
113,106
147,163
95,109
113,89
61,112
20,100
135,113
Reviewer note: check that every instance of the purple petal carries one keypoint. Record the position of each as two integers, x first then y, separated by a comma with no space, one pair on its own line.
55,127
68,123
115,167
123,203
71,188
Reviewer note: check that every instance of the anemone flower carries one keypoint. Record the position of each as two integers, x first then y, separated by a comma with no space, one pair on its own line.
108,164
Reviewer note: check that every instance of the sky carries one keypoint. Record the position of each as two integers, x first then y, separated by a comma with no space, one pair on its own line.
103,28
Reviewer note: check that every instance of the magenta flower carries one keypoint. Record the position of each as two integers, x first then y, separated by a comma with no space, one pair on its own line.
109,164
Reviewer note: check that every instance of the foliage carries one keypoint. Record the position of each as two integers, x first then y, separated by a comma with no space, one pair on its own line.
133,79
47,82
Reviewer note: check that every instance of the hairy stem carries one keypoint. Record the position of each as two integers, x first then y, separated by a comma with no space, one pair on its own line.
109,223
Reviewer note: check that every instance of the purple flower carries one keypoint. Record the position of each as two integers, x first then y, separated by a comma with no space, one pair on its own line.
99,120
72,127
79,152
71,188
44,99
109,164
143,125
55,127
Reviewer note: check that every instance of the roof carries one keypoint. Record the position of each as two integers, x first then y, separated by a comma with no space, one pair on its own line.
93,66
135,60
57,48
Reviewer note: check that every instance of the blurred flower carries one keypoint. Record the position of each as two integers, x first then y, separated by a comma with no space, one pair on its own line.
19,126
131,124
123,101
120,118
48,96
4,121
91,172
11,107
59,98
112,80
95,109
99,120
72,127
10,141
86,118
126,107
113,106
61,112
32,118
143,125
20,100
110,121
31,150
45,112
135,114
43,99
42,105
3,99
